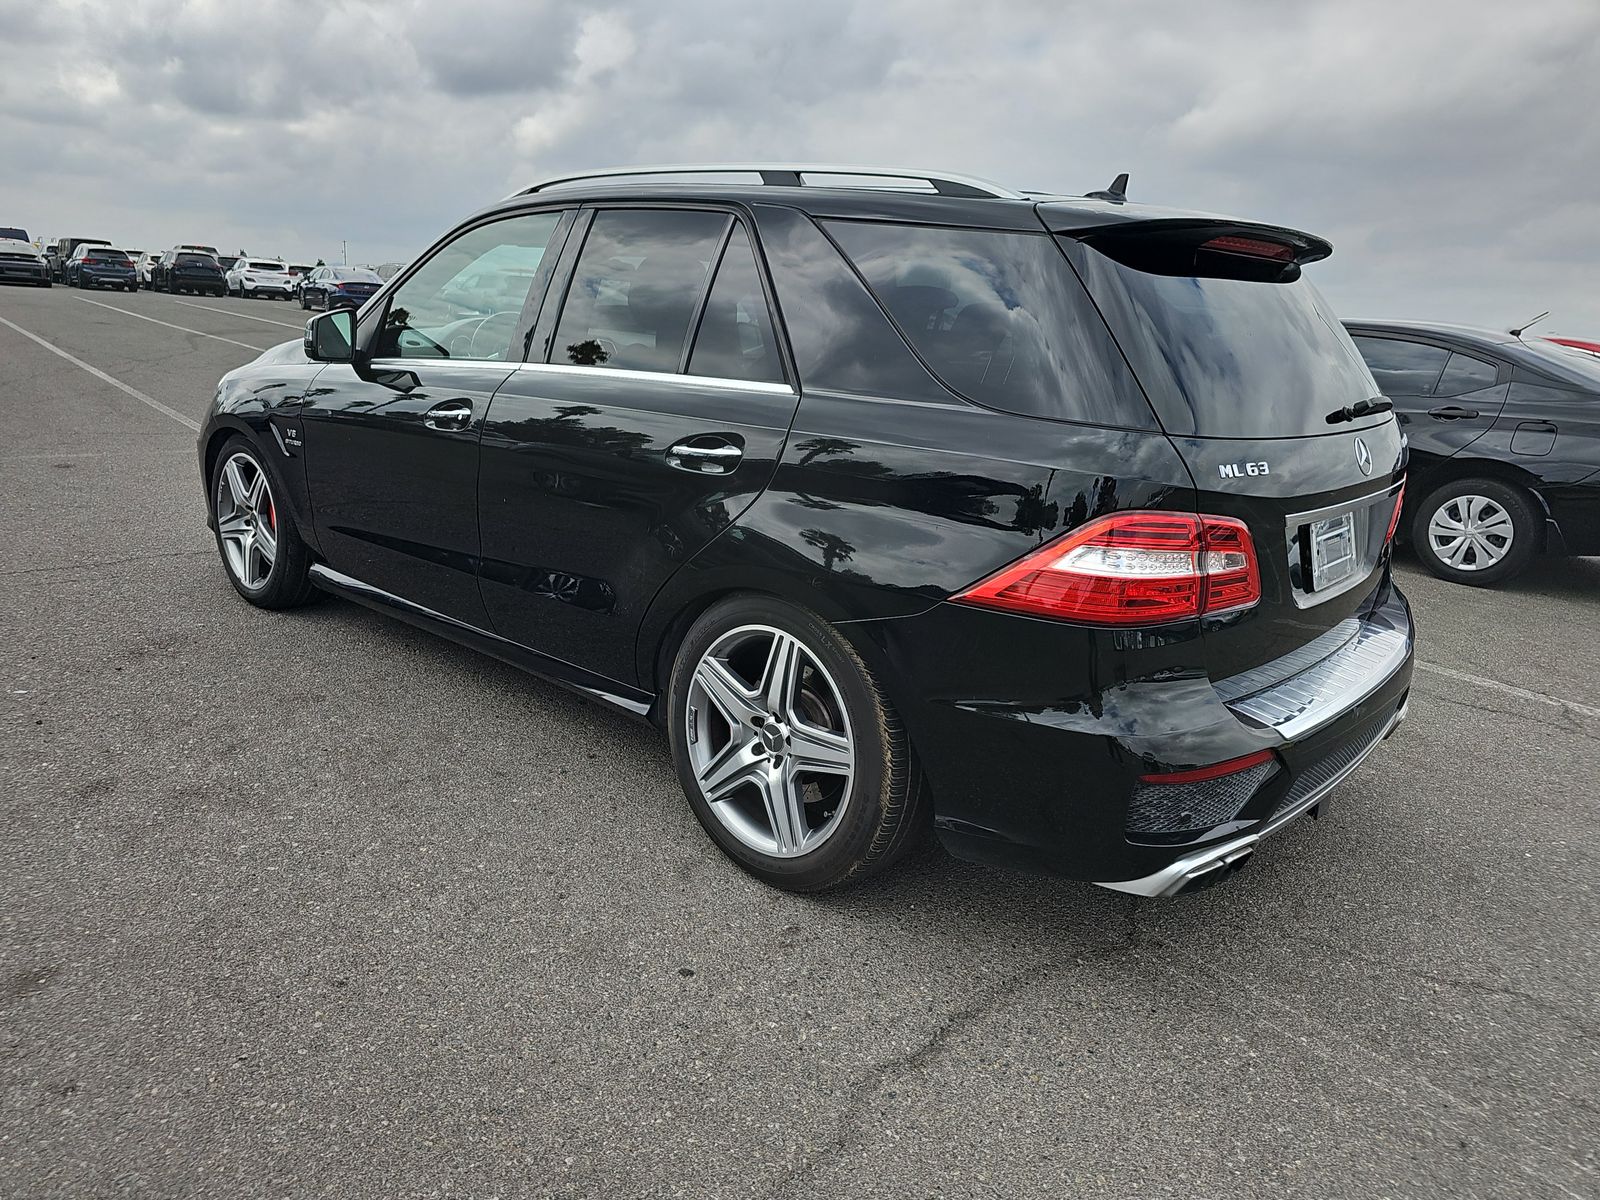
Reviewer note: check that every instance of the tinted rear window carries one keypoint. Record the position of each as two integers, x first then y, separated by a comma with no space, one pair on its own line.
999,317
196,260
263,266
111,256
1230,357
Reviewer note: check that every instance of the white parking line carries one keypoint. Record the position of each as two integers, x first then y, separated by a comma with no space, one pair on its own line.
101,375
181,328
1506,689
242,316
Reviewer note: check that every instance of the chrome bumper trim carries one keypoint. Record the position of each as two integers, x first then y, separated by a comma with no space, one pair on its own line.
1302,691
1231,854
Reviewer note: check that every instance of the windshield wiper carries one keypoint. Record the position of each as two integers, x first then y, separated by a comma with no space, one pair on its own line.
1361,408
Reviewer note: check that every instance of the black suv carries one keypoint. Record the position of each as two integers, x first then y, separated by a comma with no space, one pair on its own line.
1061,525
180,270
1505,444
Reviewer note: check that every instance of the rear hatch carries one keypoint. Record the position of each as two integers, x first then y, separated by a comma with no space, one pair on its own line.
197,266
1263,394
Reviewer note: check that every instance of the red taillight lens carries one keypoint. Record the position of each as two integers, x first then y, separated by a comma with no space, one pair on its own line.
1215,771
1133,568
1250,247
1394,521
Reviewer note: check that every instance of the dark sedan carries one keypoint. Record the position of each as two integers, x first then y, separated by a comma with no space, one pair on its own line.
338,287
101,266
1505,444
188,271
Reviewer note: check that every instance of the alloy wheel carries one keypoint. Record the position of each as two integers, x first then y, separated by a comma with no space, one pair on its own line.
769,741
1470,533
247,521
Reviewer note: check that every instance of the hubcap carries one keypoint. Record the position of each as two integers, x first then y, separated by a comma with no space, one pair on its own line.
247,521
769,741
1470,533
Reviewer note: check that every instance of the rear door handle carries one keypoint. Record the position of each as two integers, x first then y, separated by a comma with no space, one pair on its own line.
452,414
704,456
1452,412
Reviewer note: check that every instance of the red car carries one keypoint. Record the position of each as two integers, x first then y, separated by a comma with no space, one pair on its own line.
1576,344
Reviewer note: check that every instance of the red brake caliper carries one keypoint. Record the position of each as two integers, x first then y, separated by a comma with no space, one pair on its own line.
272,515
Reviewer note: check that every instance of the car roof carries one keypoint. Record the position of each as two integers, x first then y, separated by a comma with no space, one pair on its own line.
1462,333
945,200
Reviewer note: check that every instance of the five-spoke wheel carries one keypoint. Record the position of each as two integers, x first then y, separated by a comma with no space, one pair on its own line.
247,520
769,741
261,550
791,755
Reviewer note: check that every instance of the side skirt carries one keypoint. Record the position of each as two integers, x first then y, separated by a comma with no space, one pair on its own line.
608,691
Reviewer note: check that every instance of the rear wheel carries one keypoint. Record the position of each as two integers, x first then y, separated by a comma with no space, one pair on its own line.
263,555
1476,531
790,754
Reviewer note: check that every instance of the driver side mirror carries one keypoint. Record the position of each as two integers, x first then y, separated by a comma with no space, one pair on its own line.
331,336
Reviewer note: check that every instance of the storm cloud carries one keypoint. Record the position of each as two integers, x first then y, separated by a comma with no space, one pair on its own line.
1449,150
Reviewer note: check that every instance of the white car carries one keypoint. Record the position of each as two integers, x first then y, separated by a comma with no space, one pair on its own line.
261,277
145,265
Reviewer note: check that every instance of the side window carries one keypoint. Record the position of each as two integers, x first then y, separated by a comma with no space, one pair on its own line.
464,302
1402,368
1000,317
1465,374
635,288
736,338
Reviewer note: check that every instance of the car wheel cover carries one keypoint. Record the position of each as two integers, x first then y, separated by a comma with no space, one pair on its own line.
1471,533
769,741
247,521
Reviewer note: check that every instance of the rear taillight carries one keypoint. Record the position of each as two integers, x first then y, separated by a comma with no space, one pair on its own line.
1394,521
1132,568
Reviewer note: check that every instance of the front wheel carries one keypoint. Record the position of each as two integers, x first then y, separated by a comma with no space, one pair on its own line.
790,754
262,553
1476,531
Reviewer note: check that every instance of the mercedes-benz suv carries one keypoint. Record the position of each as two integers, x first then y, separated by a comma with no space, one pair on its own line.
1059,525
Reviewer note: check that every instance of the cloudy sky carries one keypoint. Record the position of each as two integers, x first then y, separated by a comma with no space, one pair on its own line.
1449,148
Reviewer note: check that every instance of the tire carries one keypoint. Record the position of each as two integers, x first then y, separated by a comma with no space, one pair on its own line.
237,510
303,305
837,718
1501,531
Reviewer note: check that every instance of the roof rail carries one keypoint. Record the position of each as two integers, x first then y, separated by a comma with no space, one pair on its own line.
792,175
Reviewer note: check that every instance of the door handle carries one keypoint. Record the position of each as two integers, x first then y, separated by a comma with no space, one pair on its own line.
1452,412
452,414
704,457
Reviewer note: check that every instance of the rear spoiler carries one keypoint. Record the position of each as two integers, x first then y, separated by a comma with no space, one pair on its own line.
1188,244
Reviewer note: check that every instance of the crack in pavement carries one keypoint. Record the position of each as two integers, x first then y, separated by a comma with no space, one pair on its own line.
1320,1037
861,1091
110,562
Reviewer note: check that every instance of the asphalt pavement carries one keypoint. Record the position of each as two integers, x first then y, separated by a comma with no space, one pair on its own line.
316,905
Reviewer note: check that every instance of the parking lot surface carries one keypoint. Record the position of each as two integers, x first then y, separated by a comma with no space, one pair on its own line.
313,904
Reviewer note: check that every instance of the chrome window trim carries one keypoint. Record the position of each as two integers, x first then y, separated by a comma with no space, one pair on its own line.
743,385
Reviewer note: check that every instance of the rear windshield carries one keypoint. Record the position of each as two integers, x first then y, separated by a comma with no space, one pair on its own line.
264,266
1230,357
196,260
999,317
1574,367
354,275
116,256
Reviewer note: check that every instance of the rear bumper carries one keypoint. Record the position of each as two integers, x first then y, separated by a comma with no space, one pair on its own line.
1201,868
1044,779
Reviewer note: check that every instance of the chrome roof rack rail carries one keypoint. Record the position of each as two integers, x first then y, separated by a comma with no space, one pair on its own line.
791,175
